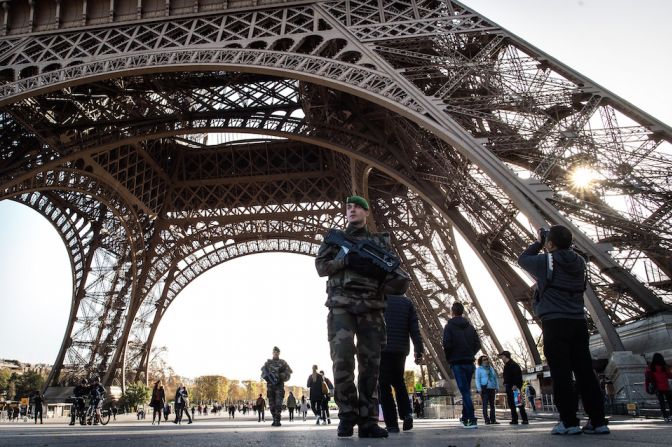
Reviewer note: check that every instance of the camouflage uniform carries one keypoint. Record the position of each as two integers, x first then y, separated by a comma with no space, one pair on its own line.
276,391
356,304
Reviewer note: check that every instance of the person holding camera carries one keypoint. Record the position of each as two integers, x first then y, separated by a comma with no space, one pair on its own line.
561,278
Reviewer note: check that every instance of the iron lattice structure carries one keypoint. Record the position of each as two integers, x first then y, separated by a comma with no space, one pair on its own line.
121,123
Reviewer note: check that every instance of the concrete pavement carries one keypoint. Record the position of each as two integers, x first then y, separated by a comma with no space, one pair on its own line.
246,431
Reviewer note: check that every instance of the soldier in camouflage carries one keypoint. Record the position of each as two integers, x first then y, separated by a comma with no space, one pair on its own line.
275,372
356,303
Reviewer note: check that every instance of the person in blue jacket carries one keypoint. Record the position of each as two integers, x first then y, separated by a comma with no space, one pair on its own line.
487,386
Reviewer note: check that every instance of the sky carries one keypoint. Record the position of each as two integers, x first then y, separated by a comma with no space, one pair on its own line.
228,320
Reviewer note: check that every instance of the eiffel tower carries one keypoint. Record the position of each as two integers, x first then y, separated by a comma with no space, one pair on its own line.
162,138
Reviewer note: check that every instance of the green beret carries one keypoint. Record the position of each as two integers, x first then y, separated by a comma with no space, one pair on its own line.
358,200
276,349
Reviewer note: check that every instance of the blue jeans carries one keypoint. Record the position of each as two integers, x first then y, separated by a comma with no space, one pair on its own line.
463,375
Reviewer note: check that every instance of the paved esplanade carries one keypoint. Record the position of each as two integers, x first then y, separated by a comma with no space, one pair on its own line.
247,432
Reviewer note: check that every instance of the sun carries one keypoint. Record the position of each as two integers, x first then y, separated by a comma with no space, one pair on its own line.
582,177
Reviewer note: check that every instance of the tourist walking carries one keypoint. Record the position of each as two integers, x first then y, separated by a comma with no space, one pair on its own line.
291,406
401,323
355,298
487,386
314,385
657,377
531,395
513,381
304,408
261,408
562,279
327,391
38,402
157,401
181,404
460,344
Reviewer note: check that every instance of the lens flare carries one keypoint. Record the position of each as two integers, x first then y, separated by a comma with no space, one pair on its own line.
582,177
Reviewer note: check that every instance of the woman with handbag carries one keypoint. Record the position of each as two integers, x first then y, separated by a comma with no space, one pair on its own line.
657,376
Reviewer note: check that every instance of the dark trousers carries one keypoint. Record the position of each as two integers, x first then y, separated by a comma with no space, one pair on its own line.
291,413
512,404
324,408
488,398
662,396
315,405
38,410
179,410
260,412
566,350
392,376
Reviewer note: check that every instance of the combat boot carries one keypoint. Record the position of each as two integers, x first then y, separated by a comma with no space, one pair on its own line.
345,429
372,430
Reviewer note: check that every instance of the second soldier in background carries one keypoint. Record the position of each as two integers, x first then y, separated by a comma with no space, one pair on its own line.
275,372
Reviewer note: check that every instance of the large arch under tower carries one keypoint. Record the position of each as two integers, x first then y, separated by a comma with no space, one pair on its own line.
163,141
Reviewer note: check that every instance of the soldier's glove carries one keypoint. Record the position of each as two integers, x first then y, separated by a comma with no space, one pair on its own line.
363,266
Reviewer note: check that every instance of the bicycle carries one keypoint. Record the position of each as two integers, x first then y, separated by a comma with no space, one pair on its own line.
90,415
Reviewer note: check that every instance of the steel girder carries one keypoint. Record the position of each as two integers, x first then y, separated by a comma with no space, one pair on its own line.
427,93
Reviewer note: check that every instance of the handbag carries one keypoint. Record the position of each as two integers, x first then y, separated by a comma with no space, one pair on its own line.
649,382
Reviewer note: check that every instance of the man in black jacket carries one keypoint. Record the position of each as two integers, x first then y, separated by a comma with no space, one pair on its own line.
460,344
561,281
401,321
513,378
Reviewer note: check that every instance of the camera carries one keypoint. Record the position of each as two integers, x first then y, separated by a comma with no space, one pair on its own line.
543,235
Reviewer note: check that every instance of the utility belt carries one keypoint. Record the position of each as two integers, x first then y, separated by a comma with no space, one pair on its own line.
359,294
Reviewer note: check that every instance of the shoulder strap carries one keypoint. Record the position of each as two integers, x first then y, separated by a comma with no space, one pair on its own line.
550,276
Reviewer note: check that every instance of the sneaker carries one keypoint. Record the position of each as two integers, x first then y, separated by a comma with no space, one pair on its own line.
471,424
560,429
392,429
600,430
408,423
371,431
344,429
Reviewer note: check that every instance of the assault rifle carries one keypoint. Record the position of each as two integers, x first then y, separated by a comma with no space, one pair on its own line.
366,248
387,261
